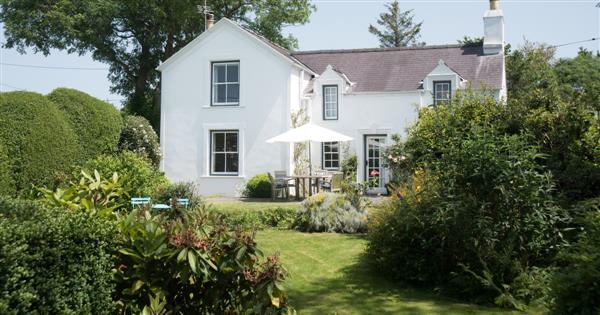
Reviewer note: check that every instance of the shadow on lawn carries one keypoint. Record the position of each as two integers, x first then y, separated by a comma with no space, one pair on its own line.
362,290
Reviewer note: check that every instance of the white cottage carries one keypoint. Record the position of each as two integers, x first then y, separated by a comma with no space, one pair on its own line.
229,90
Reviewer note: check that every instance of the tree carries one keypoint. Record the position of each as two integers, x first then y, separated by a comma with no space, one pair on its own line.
580,76
470,41
133,36
398,28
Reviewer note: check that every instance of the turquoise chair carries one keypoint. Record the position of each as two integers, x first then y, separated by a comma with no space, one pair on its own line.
183,202
140,201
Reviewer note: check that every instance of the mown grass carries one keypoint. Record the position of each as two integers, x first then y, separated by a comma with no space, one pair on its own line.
328,275
250,205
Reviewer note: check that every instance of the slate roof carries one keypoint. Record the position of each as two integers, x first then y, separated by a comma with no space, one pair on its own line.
402,69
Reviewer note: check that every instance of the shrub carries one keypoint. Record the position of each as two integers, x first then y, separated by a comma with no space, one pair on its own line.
275,217
350,166
330,212
138,136
97,124
194,265
259,186
140,178
576,286
166,193
38,138
7,185
54,261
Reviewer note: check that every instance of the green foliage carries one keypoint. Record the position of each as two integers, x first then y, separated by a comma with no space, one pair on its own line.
140,178
138,136
7,184
54,261
169,193
349,166
93,194
576,287
194,265
399,30
478,208
580,77
39,141
471,41
96,124
330,212
133,37
268,217
259,186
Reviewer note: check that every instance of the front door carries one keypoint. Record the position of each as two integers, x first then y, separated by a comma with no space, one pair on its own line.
374,170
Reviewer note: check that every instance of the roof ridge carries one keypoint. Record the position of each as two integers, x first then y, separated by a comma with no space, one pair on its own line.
376,49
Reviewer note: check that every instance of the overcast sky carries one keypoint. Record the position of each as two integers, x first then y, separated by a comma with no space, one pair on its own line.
343,24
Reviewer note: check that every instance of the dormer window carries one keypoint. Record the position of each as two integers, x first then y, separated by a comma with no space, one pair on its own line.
441,92
330,102
225,83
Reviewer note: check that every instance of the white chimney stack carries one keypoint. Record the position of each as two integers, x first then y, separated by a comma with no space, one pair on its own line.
493,27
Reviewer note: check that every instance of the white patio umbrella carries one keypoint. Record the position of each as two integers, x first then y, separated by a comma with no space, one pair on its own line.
309,132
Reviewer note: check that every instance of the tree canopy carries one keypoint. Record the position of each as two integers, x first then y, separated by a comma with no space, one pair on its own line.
397,28
132,37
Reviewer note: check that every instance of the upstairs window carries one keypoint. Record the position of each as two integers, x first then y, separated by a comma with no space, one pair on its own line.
330,102
225,83
224,153
441,92
331,155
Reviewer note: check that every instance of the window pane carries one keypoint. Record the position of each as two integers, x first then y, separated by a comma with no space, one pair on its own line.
221,93
233,72
232,162
218,163
219,73
218,142
233,93
335,164
232,142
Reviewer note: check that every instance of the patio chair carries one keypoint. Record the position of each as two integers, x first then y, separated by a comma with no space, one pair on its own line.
185,202
334,184
138,201
280,182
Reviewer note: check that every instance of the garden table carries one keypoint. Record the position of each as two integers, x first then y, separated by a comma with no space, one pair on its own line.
303,179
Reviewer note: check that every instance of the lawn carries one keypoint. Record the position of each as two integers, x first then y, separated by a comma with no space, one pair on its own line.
327,276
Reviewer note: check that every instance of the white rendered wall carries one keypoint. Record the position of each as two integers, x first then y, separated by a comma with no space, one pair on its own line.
187,116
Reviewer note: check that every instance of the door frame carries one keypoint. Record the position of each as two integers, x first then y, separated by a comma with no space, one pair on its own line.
382,171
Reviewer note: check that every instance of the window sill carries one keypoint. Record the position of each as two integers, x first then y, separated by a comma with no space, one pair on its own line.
224,176
223,106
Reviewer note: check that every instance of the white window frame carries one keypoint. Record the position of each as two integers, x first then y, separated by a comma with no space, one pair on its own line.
214,84
330,102
437,100
324,160
225,151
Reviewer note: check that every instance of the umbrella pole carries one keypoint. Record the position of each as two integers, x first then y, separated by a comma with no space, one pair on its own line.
309,160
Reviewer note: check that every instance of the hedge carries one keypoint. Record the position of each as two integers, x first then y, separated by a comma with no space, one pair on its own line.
97,124
54,261
39,140
138,136
7,185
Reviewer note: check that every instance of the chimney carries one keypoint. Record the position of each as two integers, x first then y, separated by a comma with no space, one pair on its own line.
493,29
210,20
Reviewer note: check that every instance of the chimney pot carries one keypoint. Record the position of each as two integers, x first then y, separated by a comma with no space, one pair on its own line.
494,4
210,20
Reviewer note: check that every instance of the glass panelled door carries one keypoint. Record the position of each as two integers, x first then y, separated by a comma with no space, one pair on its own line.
374,170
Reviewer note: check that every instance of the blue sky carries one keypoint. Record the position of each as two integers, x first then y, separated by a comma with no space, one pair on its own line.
343,24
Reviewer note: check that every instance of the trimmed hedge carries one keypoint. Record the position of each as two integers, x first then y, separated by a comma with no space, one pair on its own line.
7,185
259,186
54,261
140,178
138,136
38,138
269,217
97,124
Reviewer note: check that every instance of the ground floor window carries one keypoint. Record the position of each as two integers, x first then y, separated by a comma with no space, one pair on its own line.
224,155
331,155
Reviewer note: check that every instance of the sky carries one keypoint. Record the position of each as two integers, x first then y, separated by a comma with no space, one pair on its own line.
338,24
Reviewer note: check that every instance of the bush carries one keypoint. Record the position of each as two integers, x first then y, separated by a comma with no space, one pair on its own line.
97,124
38,138
478,210
7,185
194,265
259,186
138,136
54,261
576,287
140,178
164,194
276,217
330,212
